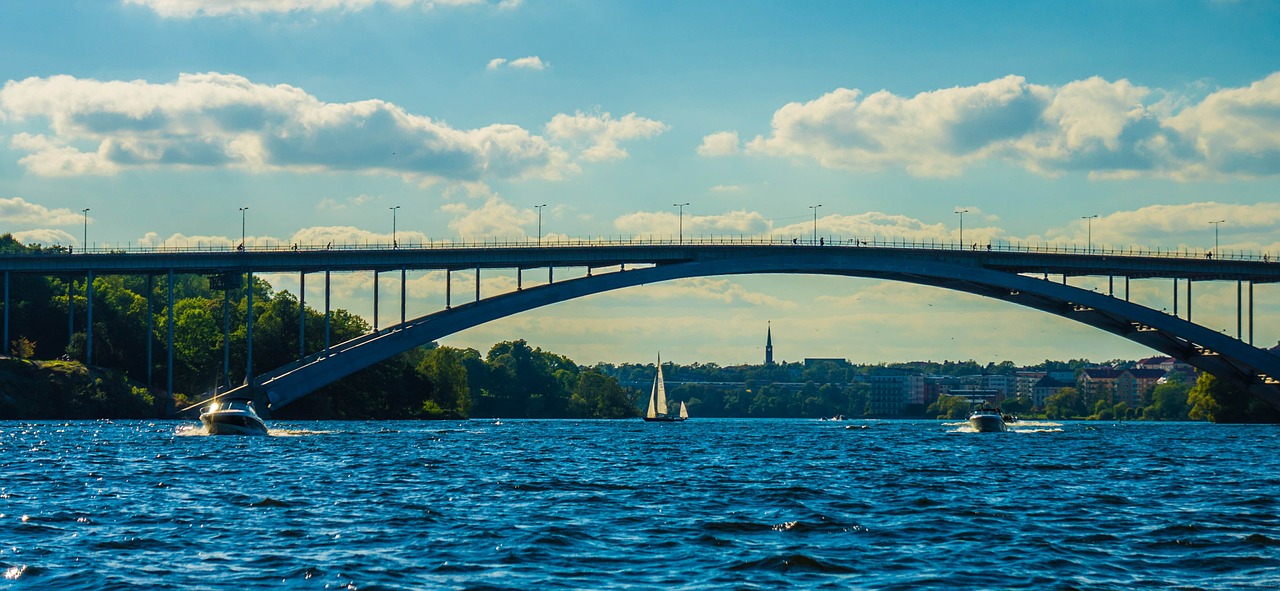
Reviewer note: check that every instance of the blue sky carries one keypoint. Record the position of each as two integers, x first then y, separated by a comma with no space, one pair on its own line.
164,117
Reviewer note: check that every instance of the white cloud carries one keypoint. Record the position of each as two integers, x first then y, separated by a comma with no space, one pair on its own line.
532,62
664,224
600,132
727,189
495,219
331,204
198,8
222,120
18,211
1104,128
44,236
723,143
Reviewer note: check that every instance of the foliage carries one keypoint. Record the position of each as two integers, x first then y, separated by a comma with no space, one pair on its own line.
1214,400
1066,403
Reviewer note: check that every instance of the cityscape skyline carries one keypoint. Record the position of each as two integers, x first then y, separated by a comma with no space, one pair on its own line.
380,121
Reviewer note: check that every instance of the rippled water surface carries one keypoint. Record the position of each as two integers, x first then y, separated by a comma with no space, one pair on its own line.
707,504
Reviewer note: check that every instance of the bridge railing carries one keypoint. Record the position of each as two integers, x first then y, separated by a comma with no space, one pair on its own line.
1180,252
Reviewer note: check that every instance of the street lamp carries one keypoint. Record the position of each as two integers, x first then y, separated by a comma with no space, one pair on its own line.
85,245
815,221
393,209
681,206
539,208
242,210
962,212
1089,220
1215,234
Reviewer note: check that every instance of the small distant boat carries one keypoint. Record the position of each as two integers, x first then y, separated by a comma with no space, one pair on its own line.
232,417
987,420
657,412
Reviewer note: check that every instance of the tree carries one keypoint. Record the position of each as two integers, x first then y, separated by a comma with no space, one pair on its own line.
597,396
949,407
1168,402
1064,404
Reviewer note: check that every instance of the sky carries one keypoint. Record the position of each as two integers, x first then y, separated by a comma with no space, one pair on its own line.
164,118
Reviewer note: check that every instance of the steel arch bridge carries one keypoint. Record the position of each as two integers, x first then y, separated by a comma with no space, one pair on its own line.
1002,276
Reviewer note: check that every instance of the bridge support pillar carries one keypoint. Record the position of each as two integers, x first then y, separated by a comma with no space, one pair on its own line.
1175,296
71,313
375,300
6,310
226,336
1239,310
1250,312
151,317
168,403
1126,288
326,310
302,314
519,278
1188,299
248,353
448,289
477,284
88,324
1111,285
550,275
403,287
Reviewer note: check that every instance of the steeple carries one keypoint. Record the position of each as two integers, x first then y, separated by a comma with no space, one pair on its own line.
768,346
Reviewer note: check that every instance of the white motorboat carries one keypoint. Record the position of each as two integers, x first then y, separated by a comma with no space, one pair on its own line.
232,417
987,420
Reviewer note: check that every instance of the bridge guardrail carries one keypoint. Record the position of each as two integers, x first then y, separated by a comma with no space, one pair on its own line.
740,240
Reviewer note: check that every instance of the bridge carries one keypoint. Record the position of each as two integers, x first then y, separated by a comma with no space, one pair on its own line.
1037,277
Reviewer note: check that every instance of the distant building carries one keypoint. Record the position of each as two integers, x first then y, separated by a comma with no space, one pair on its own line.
1047,386
892,390
1024,381
1005,385
1098,383
1133,383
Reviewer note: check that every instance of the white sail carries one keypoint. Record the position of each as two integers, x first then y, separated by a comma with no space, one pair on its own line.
660,391
653,394
684,412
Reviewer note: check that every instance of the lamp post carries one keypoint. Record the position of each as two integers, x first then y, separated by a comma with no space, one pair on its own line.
85,245
242,210
1215,234
393,209
681,206
539,208
962,212
815,221
1089,220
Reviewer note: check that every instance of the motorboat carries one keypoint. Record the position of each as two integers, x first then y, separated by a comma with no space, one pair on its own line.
232,417
987,420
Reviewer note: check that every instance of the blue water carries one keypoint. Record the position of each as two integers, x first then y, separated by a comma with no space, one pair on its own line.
707,504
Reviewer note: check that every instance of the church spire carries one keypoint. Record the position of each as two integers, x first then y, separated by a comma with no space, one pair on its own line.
768,346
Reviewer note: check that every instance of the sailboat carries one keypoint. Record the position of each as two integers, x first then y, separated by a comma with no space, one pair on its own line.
657,412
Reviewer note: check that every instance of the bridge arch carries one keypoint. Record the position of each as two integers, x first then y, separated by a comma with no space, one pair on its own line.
1230,359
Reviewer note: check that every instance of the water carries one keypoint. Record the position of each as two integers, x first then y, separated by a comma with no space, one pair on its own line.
708,504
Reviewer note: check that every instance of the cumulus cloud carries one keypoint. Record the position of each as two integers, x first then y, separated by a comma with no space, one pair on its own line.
223,120
724,143
199,8
532,62
495,219
1105,128
668,224
1249,227
599,133
44,236
15,211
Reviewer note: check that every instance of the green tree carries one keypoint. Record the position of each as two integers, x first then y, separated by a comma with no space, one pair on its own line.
1066,403
949,407
1168,402
597,396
